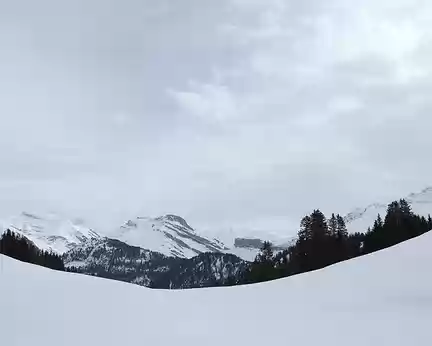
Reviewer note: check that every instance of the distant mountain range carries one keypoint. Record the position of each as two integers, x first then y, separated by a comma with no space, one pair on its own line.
165,252
169,235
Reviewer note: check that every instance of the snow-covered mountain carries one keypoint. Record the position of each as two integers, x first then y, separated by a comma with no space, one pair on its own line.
50,232
113,259
379,299
361,218
171,235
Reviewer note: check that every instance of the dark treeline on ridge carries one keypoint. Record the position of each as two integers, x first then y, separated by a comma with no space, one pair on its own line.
20,248
322,242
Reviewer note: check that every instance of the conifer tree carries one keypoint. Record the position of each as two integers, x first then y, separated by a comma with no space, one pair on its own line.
342,231
378,222
305,232
333,225
318,225
263,268
266,254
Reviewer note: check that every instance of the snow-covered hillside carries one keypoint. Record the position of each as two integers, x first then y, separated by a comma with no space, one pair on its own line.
51,231
380,299
361,218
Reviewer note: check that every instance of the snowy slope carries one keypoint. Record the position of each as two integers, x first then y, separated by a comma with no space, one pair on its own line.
360,219
381,299
49,232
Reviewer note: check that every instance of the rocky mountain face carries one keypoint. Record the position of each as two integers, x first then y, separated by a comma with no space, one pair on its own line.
248,243
114,259
257,244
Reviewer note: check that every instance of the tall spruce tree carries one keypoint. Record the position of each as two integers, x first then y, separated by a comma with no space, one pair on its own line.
263,268
266,254
318,225
333,225
305,232
378,224
342,231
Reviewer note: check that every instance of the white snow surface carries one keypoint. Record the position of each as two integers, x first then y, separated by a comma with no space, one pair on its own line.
51,232
383,298
360,219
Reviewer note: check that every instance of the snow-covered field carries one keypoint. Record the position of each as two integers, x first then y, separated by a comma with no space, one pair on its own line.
380,299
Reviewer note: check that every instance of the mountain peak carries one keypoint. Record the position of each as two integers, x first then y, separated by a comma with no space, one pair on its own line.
170,235
176,219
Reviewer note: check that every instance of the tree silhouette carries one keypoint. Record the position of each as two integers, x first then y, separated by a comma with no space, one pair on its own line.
20,248
323,242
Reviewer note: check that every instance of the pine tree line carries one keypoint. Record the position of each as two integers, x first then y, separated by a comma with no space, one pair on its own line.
322,242
20,248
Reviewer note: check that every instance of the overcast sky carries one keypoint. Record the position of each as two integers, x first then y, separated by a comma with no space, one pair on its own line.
239,113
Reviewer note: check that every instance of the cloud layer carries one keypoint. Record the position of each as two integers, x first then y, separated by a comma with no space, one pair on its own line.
241,113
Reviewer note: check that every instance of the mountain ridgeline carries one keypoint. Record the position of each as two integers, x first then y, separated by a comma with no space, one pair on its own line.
167,253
